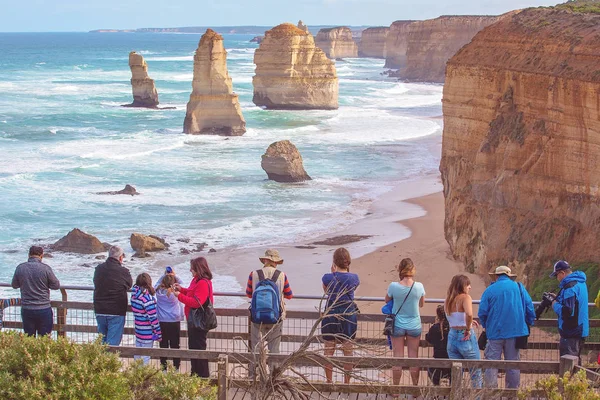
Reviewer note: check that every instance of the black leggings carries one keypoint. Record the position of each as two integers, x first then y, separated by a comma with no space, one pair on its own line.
170,340
197,341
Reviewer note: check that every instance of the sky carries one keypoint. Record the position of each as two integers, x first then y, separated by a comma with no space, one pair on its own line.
85,15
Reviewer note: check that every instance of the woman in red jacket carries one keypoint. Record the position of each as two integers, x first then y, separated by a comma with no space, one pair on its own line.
196,295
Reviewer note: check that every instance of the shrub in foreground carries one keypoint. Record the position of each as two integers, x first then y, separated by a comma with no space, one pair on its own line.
575,387
60,369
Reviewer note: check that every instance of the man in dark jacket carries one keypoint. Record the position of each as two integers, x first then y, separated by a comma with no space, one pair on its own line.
35,279
112,283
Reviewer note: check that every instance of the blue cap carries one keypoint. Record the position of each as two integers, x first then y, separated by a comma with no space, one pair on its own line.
560,266
169,270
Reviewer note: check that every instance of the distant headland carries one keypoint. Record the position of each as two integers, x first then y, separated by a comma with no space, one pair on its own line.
246,30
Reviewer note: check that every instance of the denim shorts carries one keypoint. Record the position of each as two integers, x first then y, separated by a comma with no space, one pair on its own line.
399,332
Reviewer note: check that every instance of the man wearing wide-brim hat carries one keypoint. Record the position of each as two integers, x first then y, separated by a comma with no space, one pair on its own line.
505,312
271,333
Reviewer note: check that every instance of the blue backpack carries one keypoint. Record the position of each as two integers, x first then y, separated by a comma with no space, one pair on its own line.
265,307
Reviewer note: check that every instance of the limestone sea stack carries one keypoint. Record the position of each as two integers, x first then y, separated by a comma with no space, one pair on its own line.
79,242
396,44
433,42
337,42
144,91
292,73
521,143
373,42
302,26
213,108
283,163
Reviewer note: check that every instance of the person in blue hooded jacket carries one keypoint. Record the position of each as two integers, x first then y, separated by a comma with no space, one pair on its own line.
571,306
505,312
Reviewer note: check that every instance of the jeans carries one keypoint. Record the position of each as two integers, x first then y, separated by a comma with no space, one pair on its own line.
38,322
271,334
170,339
571,347
459,349
197,341
111,328
144,344
493,351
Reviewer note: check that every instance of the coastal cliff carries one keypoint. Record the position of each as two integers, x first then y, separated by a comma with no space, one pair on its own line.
372,42
396,44
337,42
144,91
292,72
213,107
521,143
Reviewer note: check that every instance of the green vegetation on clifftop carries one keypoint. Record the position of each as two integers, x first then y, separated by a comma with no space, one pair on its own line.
581,6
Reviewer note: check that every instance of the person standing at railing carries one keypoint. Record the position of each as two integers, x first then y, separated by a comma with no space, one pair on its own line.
143,306
35,279
505,312
196,295
170,314
438,338
112,282
408,296
462,341
340,323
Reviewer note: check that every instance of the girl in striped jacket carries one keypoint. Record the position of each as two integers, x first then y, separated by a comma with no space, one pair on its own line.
143,305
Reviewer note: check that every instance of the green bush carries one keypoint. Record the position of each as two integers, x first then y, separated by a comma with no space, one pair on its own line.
575,387
60,369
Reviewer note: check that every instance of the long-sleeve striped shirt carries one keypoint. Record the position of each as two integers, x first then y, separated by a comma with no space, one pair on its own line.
143,305
7,303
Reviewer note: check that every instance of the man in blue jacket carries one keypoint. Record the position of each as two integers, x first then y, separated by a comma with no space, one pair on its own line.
505,311
571,306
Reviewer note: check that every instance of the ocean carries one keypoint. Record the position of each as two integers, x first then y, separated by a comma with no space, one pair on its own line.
64,137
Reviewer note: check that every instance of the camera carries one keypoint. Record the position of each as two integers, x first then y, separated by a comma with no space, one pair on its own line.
547,299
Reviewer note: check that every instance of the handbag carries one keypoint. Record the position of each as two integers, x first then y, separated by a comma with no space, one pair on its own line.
482,341
522,341
390,319
203,317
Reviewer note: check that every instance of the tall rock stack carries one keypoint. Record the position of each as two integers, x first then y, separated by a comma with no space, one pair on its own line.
302,26
396,44
373,42
144,91
293,73
521,143
337,42
213,108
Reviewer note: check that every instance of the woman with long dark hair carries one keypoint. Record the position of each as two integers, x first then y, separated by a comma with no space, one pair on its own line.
462,340
199,293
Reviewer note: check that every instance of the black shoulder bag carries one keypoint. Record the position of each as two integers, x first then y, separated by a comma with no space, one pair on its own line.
390,319
203,317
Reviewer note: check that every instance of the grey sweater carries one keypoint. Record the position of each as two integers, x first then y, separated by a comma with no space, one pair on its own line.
35,279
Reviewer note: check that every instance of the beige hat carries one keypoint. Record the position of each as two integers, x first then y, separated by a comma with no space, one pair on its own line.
503,269
272,255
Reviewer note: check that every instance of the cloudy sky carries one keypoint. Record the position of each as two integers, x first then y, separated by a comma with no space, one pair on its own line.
84,15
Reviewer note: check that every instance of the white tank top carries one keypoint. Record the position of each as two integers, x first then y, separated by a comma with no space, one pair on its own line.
457,318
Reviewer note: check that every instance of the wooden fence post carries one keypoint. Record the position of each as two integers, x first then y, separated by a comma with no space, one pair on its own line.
457,381
222,378
61,315
567,364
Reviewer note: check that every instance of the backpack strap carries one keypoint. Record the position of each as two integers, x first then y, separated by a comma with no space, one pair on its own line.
275,276
261,275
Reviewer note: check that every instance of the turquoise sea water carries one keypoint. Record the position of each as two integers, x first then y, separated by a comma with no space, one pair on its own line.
64,137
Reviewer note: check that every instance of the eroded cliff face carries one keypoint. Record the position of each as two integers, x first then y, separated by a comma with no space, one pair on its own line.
293,73
337,42
431,43
396,44
373,42
213,107
144,91
521,143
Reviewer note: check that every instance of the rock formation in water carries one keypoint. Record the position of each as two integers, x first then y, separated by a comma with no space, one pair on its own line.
129,190
396,44
302,26
144,91
521,143
337,42
257,39
373,42
213,107
293,73
283,163
433,42
79,242
143,244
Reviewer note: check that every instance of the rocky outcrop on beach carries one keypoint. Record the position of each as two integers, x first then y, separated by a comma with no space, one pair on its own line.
520,144
283,163
142,244
213,108
293,73
373,42
144,91
128,190
79,242
433,42
396,44
337,42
